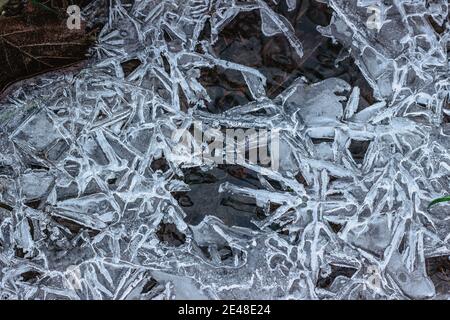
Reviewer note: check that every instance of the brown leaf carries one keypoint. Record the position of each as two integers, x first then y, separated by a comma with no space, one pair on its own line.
37,41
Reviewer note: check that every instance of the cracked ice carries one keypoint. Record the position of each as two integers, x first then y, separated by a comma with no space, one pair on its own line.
97,198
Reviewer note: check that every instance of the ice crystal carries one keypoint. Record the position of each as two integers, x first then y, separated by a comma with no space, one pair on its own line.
98,200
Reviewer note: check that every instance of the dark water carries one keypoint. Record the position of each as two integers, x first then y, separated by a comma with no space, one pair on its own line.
243,42
205,199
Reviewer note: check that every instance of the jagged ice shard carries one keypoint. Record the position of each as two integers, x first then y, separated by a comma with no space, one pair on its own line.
99,201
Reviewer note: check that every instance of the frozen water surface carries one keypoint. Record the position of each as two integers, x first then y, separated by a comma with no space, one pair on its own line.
98,200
